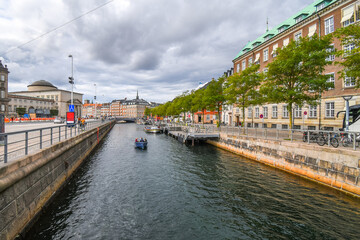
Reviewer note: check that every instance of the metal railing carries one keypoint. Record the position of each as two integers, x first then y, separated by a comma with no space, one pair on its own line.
20,143
322,137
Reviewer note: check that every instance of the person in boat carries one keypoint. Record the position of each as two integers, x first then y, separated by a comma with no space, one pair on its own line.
141,139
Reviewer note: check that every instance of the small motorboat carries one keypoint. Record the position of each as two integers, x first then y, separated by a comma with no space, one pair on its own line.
141,143
152,129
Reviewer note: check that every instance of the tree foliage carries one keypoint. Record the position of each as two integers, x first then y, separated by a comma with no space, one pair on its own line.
296,75
350,36
242,89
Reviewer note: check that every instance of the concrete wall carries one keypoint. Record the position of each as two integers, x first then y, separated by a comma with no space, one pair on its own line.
28,184
334,167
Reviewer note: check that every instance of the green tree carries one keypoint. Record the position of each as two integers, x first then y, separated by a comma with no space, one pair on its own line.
296,75
147,111
242,89
20,111
199,103
54,112
214,96
350,38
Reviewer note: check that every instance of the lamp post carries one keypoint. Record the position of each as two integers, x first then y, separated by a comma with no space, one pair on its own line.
347,99
71,79
95,101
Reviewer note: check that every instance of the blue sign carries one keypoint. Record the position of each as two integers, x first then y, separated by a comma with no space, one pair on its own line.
71,108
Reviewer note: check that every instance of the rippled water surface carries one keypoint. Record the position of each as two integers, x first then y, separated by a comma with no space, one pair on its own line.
172,191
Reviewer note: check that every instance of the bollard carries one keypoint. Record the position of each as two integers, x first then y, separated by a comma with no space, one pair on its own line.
5,148
26,142
40,138
308,134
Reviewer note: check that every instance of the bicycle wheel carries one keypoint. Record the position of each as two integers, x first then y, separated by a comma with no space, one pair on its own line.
346,141
321,141
334,142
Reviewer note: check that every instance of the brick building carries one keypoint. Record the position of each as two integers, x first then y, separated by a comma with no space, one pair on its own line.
321,17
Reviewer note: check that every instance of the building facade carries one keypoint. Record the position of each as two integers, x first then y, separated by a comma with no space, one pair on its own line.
4,99
34,106
321,17
62,98
134,108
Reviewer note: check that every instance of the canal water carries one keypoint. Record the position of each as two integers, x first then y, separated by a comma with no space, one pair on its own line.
173,191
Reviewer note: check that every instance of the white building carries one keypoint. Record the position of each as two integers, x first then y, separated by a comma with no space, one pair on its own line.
62,98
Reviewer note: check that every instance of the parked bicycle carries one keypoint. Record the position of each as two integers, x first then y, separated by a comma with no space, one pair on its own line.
347,139
312,136
323,138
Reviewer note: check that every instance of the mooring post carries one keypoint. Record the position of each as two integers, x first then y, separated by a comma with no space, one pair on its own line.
193,142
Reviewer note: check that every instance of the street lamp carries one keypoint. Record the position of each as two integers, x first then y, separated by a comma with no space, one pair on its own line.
71,79
95,101
347,99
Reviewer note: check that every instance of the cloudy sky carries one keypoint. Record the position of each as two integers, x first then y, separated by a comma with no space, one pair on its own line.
160,47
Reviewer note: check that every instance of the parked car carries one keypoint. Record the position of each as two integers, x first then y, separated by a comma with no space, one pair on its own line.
59,120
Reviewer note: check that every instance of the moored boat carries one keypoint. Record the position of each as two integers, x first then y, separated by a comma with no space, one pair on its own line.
152,129
141,143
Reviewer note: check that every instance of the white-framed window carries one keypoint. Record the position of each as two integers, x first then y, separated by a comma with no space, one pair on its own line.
3,107
9,108
285,111
329,25
257,112
243,65
249,112
266,55
265,109
238,67
348,48
330,109
2,77
2,94
297,111
349,82
331,79
208,117
297,36
330,50
312,111
348,15
274,111
250,61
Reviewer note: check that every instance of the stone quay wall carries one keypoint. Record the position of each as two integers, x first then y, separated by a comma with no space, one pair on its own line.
335,167
28,184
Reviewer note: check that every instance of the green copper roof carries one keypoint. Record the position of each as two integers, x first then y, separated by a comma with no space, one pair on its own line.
306,12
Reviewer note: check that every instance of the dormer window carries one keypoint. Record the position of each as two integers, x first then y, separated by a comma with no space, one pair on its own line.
246,49
267,37
322,5
256,43
282,28
300,18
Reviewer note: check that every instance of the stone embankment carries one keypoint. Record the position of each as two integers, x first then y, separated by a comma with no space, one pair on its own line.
335,167
27,185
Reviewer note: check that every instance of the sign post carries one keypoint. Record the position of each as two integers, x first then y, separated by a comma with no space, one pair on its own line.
70,119
262,118
305,116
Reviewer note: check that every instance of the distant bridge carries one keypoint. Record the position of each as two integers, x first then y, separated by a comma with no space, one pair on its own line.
126,119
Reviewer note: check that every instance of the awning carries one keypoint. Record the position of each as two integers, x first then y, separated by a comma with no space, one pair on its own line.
347,14
274,49
257,57
286,42
312,30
